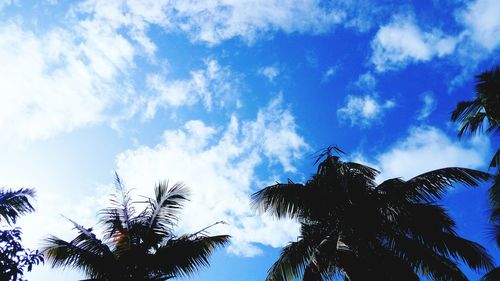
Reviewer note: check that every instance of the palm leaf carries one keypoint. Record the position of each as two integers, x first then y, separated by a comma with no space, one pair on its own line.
15,203
118,219
282,200
82,253
432,185
427,261
493,275
184,255
293,260
161,214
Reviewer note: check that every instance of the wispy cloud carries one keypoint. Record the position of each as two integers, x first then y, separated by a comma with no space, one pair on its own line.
214,84
270,72
429,105
363,111
330,72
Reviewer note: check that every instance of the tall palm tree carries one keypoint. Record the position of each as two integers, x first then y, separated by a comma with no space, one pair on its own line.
473,116
15,203
356,229
136,246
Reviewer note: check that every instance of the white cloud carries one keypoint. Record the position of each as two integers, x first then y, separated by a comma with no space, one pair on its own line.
402,42
429,106
219,164
209,84
331,71
482,22
270,72
366,82
58,81
427,148
362,111
215,21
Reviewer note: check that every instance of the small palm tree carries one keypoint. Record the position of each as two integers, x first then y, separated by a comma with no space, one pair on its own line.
356,229
136,246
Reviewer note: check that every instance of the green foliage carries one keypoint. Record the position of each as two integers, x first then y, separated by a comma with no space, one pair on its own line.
14,258
15,203
136,245
356,229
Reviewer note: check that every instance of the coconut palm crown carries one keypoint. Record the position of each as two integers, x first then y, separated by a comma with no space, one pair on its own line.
136,246
355,229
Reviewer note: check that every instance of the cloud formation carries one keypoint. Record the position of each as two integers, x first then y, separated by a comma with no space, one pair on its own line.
482,22
219,165
429,105
214,85
58,81
270,72
402,42
416,153
363,111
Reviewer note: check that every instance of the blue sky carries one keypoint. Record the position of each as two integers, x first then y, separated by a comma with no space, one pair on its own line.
229,96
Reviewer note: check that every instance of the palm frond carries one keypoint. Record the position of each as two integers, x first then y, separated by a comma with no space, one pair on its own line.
184,255
81,253
282,200
119,218
293,260
432,185
471,253
161,213
15,203
493,275
427,261
495,161
472,124
465,109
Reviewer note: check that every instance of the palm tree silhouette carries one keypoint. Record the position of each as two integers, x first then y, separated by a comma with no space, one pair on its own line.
473,116
356,229
15,260
15,203
136,246
485,107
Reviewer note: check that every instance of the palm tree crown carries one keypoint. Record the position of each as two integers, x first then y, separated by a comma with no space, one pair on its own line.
472,116
136,246
486,105
356,229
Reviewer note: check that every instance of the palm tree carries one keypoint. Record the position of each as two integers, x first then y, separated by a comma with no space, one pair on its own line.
15,260
356,229
136,246
473,115
485,108
15,203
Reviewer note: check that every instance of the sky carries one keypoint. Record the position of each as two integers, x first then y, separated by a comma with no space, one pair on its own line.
230,96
